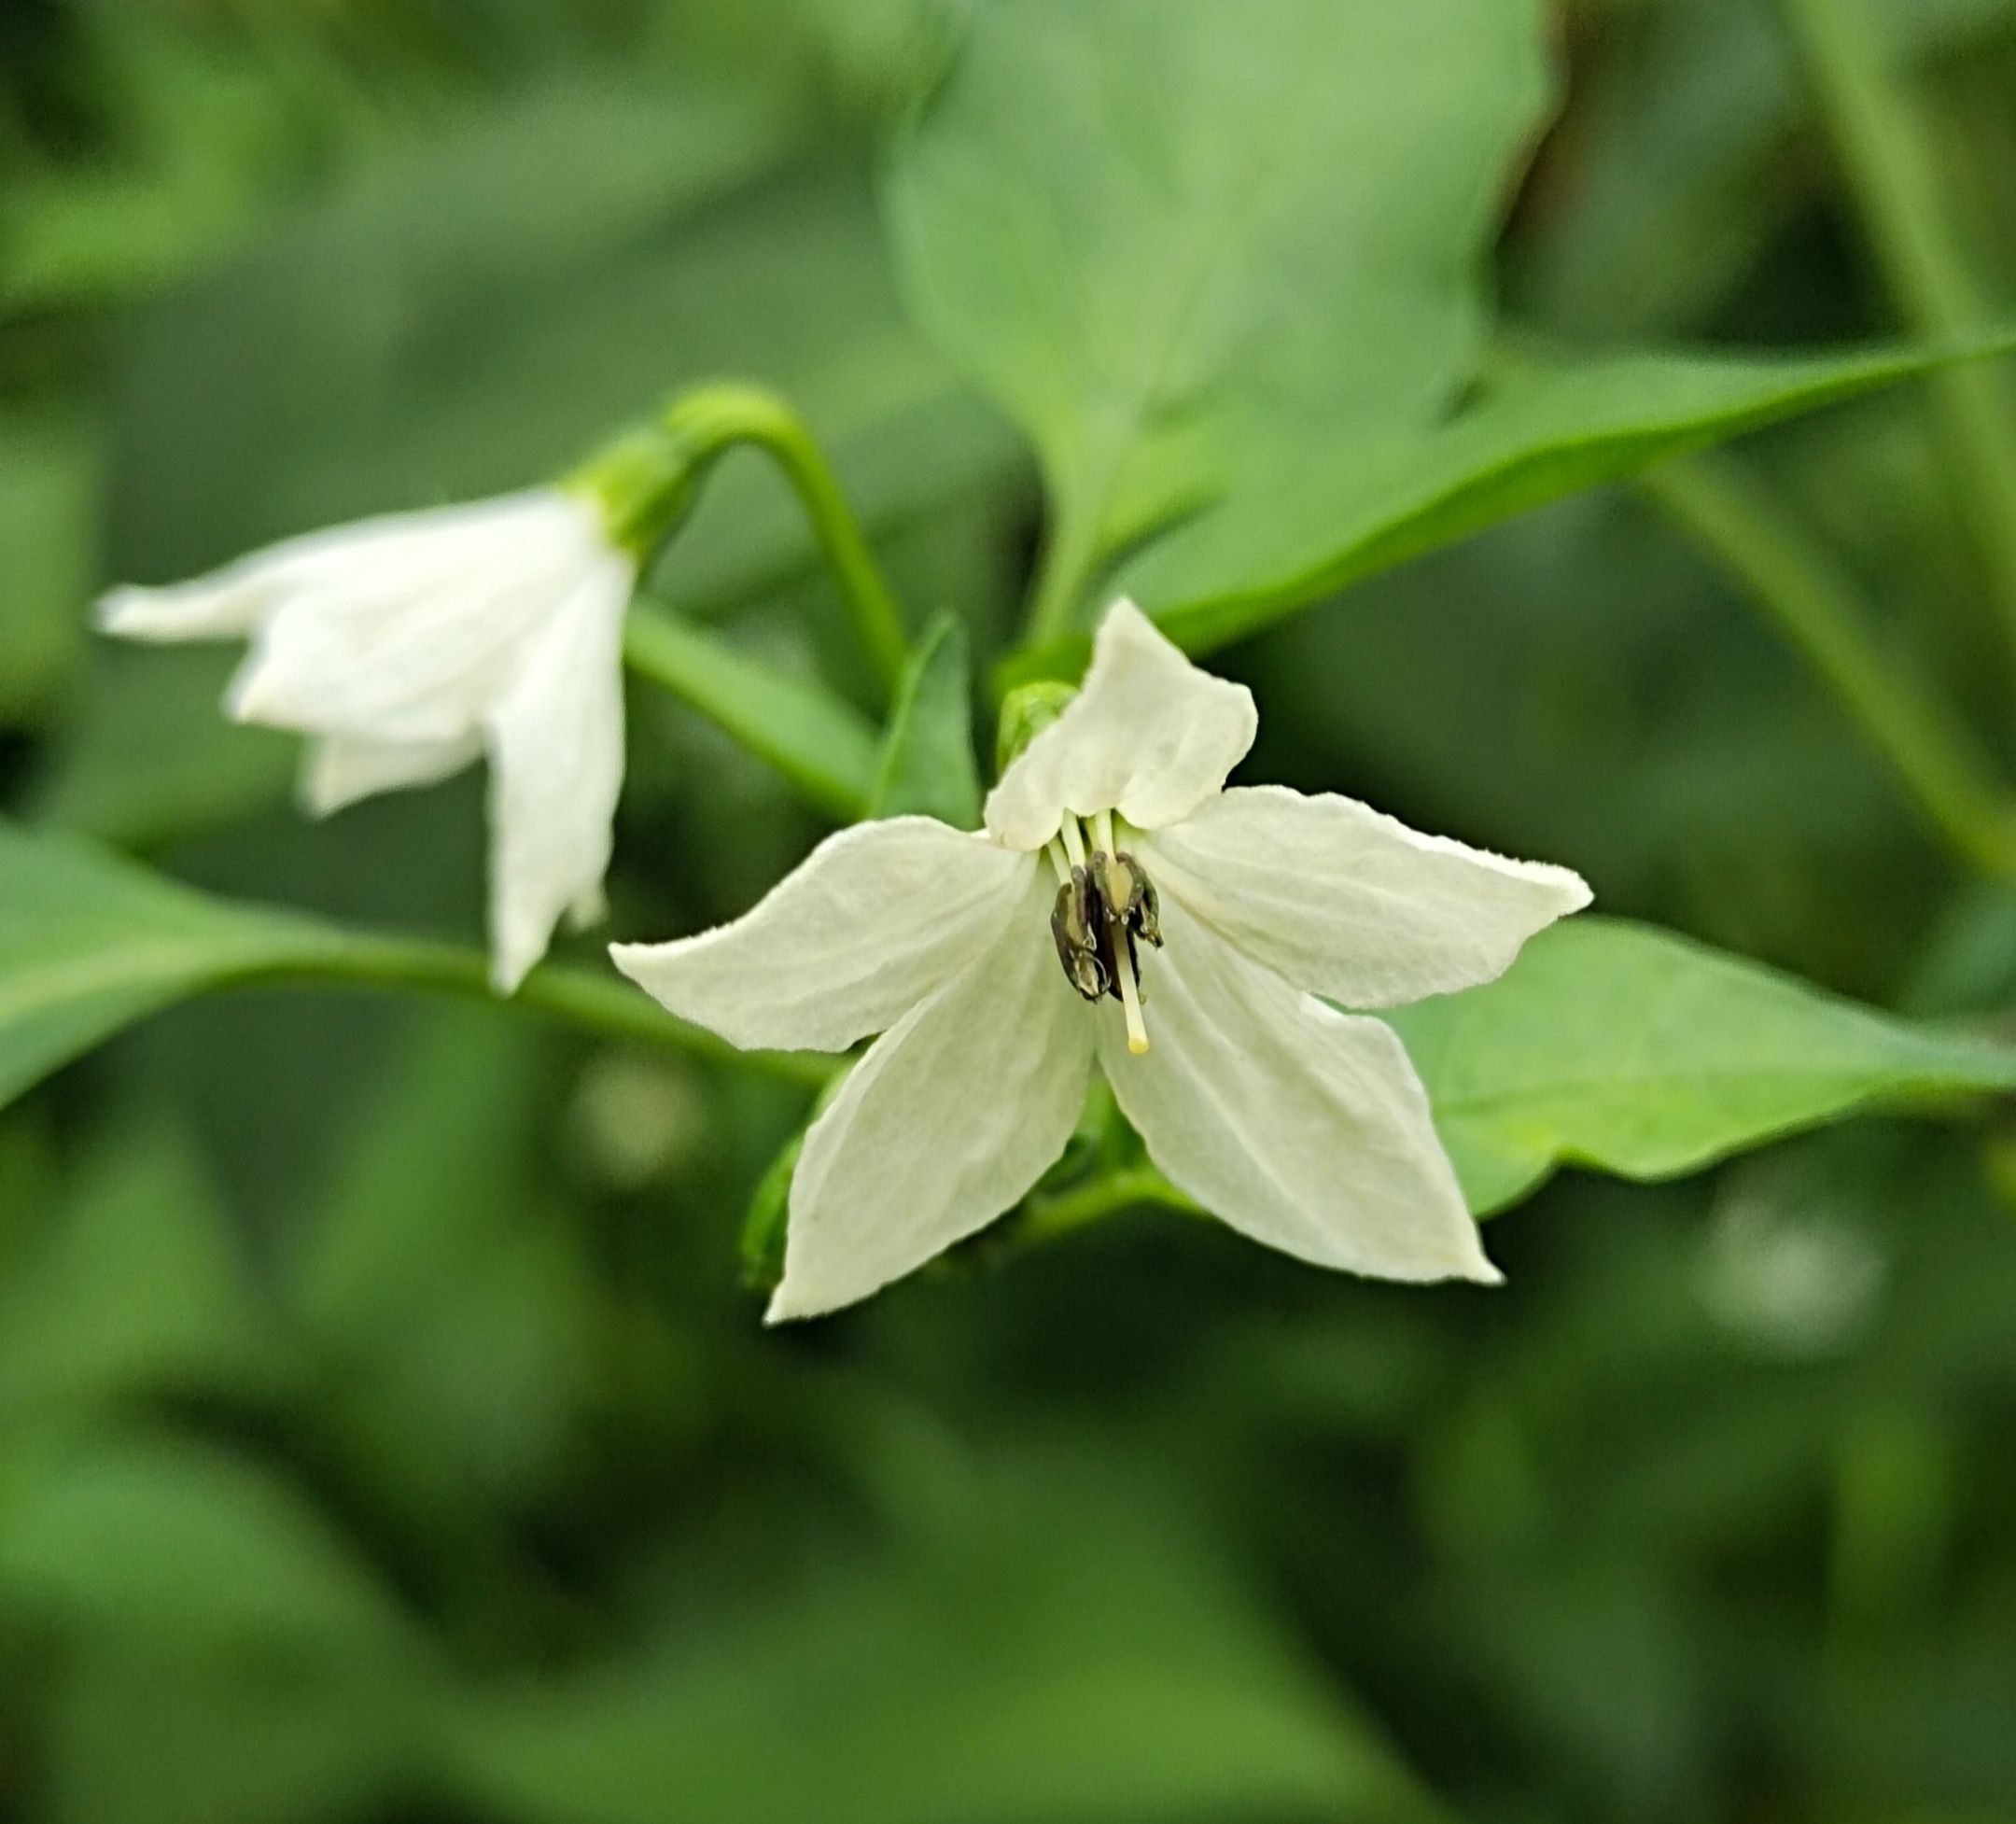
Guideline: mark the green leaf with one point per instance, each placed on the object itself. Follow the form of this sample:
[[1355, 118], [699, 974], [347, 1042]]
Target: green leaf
[[928, 767], [1157, 230], [448, 1300], [135, 1288], [161, 1733], [89, 944], [819, 741], [1325, 515], [1632, 1051], [769, 1211], [1070, 1650], [1322, 509], [183, 1544], [1678, 186], [49, 474]]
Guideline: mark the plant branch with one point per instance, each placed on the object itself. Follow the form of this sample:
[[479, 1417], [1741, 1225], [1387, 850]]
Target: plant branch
[[823, 745], [706, 424], [594, 1003], [1888, 160], [1818, 610]]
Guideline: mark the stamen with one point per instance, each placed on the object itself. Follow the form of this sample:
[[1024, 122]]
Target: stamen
[[1136, 1030], [1054, 849], [1073, 842], [1078, 925], [1103, 835]]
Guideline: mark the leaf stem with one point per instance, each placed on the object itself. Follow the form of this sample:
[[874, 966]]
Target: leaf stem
[[583, 998], [1888, 160], [822, 744], [712, 420], [1067, 556], [1818, 610]]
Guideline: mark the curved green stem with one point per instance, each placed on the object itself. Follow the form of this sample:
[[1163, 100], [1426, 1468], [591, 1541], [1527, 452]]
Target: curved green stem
[[1932, 755], [1045, 1219], [824, 746], [595, 1002], [705, 424], [1893, 177]]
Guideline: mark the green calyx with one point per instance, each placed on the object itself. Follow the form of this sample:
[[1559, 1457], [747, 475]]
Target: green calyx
[[642, 484], [1025, 713]]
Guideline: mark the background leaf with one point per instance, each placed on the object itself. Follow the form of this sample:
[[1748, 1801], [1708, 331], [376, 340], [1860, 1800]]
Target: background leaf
[[1321, 512], [928, 768], [89, 944], [957, 1676], [1633, 1051], [1216, 224]]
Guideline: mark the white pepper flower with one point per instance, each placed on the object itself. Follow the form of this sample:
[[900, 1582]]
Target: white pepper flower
[[408, 646], [1196, 928]]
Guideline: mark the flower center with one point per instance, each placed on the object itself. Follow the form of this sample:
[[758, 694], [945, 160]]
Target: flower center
[[1105, 905]]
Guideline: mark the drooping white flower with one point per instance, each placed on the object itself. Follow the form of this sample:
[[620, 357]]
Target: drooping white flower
[[408, 646], [1200, 924]]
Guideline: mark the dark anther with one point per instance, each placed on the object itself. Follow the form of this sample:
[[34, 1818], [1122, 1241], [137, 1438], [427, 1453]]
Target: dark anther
[[1129, 896], [1078, 922]]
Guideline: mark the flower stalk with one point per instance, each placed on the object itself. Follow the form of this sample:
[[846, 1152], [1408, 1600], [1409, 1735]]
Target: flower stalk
[[701, 427]]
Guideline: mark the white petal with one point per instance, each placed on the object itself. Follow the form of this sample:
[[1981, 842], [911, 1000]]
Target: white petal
[[339, 770], [951, 1117], [1351, 905], [556, 765], [1149, 736], [1299, 1125], [873, 921], [410, 629], [236, 600], [228, 606]]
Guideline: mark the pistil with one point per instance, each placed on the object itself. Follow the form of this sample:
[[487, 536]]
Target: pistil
[[1137, 1030]]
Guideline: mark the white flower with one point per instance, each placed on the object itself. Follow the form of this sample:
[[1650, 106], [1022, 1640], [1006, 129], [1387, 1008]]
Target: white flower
[[1113, 848], [406, 646]]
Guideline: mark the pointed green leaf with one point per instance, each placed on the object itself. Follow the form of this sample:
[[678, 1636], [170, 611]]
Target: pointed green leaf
[[928, 768], [1157, 231], [135, 1288], [90, 944], [1322, 508], [1632, 1051], [1317, 515], [1060, 1647], [182, 1543], [1251, 349]]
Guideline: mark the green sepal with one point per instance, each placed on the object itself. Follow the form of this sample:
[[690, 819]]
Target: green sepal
[[769, 1211], [1025, 713], [643, 484]]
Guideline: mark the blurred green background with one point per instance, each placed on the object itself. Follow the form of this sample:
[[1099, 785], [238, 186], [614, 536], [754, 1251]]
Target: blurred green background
[[385, 1431]]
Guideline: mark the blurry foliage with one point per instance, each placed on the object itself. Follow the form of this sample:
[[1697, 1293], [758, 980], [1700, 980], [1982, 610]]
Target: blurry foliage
[[383, 1431]]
